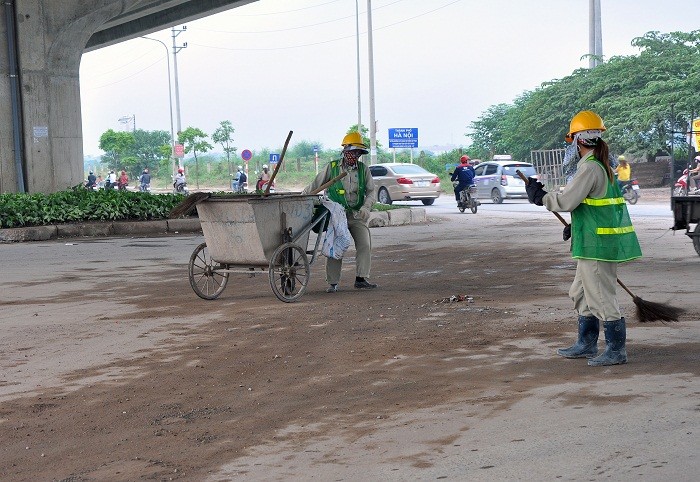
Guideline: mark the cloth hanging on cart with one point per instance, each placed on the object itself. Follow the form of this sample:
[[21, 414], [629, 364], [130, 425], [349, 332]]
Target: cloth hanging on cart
[[338, 238]]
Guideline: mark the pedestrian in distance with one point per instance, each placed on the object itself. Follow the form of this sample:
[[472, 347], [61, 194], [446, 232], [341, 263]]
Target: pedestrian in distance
[[602, 236], [356, 193]]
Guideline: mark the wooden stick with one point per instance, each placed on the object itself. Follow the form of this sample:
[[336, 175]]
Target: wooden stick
[[279, 163], [328, 183]]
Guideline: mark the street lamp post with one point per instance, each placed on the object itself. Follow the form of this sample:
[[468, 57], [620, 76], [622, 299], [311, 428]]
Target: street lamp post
[[176, 49], [357, 36], [170, 106], [372, 122]]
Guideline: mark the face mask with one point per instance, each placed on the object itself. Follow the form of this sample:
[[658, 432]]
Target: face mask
[[571, 158]]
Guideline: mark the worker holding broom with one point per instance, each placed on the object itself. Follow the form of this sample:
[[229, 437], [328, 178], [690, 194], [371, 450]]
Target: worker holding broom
[[602, 236], [356, 193]]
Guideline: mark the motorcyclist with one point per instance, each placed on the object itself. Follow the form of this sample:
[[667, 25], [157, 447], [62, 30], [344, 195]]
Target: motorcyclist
[[239, 180], [91, 180], [623, 171], [263, 178], [145, 179], [464, 174], [123, 180], [111, 180], [180, 179]]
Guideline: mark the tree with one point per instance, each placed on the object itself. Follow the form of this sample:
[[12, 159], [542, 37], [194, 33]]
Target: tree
[[633, 94], [222, 135], [194, 140], [116, 145], [150, 149]]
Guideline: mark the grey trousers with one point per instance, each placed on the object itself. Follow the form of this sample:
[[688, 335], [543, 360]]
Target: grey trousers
[[593, 290], [363, 248]]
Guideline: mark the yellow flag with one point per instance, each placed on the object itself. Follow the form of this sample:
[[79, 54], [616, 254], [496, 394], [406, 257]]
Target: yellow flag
[[696, 133]]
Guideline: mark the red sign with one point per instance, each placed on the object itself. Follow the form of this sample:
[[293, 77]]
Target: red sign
[[179, 150], [246, 155]]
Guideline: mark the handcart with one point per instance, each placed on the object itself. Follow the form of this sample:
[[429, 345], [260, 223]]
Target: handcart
[[244, 234]]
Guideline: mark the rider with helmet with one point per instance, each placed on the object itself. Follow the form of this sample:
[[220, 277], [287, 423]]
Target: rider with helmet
[[91, 180], [602, 236], [239, 180], [263, 177], [696, 176], [356, 193], [464, 174], [180, 180], [623, 171]]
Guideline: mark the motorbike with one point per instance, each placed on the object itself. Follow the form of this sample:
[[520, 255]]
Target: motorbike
[[681, 185], [180, 188], [467, 199], [145, 187], [629, 191]]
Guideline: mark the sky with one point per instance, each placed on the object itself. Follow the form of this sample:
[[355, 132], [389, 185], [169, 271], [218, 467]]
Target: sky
[[273, 66]]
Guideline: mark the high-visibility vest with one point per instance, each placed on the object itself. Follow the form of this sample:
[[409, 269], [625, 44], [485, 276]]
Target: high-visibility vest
[[336, 192], [601, 229]]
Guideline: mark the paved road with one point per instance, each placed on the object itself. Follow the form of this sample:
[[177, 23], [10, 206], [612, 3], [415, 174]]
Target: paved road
[[446, 205]]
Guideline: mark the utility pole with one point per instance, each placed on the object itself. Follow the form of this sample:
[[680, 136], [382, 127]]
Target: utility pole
[[370, 58], [357, 38], [170, 105], [595, 34], [176, 49]]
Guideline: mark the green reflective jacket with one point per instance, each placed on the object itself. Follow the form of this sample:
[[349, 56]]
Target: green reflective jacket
[[601, 229], [336, 192]]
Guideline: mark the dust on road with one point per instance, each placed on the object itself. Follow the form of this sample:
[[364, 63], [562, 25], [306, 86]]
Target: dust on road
[[117, 371]]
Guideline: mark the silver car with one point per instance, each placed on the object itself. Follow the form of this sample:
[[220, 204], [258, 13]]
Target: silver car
[[497, 180], [398, 181]]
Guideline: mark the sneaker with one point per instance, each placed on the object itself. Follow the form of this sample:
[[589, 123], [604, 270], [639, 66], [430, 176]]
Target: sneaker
[[332, 289], [364, 285]]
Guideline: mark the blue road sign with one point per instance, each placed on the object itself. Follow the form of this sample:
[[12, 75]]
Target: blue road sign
[[274, 158], [403, 137], [246, 155]]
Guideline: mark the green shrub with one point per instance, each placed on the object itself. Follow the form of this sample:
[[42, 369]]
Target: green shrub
[[79, 204]]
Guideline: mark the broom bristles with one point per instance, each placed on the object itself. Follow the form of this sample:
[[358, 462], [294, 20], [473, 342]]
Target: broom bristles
[[649, 311], [188, 204]]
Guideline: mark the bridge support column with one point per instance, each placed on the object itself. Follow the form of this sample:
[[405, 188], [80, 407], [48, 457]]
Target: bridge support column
[[50, 38]]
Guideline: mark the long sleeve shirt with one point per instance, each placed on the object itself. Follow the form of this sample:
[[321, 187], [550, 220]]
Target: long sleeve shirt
[[589, 181]]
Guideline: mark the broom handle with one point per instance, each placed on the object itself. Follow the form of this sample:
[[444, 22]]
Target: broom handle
[[563, 221], [327, 184], [279, 163]]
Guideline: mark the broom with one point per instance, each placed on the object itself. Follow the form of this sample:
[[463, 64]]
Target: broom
[[646, 310]]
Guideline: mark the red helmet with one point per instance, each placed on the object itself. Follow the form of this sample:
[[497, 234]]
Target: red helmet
[[464, 158], [180, 170]]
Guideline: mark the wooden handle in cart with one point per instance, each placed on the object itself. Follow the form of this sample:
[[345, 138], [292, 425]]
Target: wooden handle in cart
[[279, 163], [524, 178], [329, 183]]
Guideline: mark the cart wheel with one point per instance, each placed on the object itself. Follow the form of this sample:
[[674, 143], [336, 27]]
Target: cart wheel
[[204, 279], [289, 272]]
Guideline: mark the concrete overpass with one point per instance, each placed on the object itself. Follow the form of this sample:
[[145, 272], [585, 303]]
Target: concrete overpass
[[41, 43]]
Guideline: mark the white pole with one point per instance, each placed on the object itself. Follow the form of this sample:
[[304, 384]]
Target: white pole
[[357, 35], [176, 49], [170, 105], [370, 59]]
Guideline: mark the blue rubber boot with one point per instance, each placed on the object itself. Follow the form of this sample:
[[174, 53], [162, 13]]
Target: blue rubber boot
[[615, 336], [587, 344]]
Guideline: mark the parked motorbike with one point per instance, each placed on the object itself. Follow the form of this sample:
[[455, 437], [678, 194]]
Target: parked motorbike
[[630, 191], [467, 199]]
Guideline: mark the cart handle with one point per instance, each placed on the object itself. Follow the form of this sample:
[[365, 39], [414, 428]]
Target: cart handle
[[329, 183]]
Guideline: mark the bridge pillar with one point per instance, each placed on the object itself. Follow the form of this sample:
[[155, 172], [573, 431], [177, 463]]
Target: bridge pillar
[[50, 39]]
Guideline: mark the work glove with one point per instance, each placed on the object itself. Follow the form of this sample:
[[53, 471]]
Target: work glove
[[534, 190], [567, 232], [362, 214]]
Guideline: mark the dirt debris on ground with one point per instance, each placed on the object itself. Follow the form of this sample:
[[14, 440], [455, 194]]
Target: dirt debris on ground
[[158, 384]]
